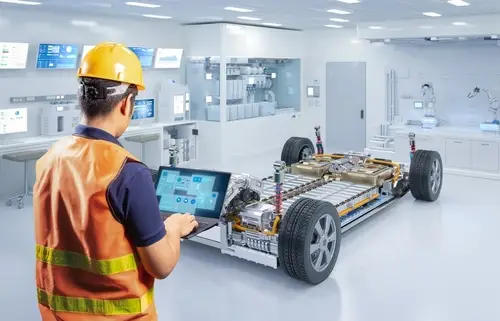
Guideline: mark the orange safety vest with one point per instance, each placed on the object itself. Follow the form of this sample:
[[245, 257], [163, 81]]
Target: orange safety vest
[[86, 269]]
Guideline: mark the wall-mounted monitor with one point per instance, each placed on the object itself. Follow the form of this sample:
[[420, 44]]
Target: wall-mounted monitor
[[145, 55], [168, 58], [144, 109], [57, 56], [13, 120], [13, 55], [86, 49]]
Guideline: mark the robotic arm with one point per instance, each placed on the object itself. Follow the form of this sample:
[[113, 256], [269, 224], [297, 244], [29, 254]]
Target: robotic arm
[[494, 104], [429, 99]]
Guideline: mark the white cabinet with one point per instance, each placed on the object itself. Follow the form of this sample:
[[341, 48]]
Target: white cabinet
[[485, 156], [458, 153]]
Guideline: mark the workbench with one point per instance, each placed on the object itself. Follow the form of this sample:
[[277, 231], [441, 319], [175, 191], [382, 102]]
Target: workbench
[[465, 151], [156, 151]]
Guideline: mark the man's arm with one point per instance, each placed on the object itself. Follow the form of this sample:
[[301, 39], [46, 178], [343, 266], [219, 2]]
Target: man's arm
[[137, 208]]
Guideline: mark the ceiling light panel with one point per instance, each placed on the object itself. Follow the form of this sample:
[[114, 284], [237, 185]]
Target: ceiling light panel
[[338, 11], [339, 20], [459, 3], [458, 23], [375, 27], [333, 26], [142, 4], [154, 16], [249, 18], [235, 9], [271, 24], [27, 3], [431, 14], [349, 1]]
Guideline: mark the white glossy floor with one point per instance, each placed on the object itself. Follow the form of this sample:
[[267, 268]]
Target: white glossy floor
[[412, 262]]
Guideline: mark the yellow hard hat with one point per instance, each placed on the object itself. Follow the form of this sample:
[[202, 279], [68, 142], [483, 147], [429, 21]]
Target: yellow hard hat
[[112, 61]]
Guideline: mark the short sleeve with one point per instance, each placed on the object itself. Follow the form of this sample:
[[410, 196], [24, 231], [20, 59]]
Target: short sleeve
[[136, 205]]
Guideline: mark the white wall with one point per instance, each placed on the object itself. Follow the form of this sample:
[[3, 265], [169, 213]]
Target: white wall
[[39, 27], [454, 71], [343, 46]]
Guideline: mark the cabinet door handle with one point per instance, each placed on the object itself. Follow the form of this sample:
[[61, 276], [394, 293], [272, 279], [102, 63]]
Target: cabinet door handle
[[362, 114], [458, 142], [484, 144]]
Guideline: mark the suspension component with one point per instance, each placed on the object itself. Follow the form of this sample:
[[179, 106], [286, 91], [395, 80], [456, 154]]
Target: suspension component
[[279, 178], [319, 143], [411, 137], [173, 152]]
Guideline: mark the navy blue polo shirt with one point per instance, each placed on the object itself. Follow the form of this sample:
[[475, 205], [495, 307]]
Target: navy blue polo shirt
[[132, 196]]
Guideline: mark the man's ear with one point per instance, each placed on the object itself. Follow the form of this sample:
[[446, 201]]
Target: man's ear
[[127, 106]]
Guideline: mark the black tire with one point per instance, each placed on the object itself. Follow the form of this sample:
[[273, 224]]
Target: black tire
[[293, 149], [426, 168], [296, 234]]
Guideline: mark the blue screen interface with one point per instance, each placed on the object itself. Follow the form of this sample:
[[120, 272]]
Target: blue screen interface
[[57, 56], [144, 109], [183, 190], [145, 55]]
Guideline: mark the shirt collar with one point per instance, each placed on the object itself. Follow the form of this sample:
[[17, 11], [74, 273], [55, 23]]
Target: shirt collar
[[95, 133]]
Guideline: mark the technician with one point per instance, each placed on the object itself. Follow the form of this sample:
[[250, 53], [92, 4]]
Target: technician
[[100, 239]]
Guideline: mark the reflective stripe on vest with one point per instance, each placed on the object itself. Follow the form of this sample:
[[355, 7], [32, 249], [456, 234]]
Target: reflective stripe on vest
[[94, 306], [83, 262]]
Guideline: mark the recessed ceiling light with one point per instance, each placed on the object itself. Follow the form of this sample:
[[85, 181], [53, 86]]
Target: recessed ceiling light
[[338, 11], [339, 20], [272, 24], [375, 27], [349, 1], [143, 5], [27, 3], [458, 3], [431, 14], [154, 16], [459, 23], [249, 18], [333, 26], [425, 27], [238, 9]]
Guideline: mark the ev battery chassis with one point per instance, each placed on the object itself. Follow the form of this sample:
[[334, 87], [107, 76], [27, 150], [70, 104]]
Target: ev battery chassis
[[295, 219]]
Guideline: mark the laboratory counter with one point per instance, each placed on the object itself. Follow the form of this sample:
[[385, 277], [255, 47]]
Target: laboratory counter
[[156, 136], [22, 144], [465, 151]]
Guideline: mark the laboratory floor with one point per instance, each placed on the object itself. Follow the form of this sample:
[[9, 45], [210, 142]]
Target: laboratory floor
[[412, 262]]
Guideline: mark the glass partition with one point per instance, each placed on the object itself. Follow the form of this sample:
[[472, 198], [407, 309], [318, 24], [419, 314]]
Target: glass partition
[[259, 87], [203, 80]]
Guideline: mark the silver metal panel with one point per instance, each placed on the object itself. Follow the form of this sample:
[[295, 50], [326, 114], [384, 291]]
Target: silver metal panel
[[252, 255], [337, 193]]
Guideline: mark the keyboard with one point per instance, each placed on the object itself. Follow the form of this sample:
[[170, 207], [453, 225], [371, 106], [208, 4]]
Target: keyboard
[[154, 174]]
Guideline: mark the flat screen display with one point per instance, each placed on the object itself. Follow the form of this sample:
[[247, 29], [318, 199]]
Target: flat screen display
[[13, 55], [168, 58], [144, 109], [57, 56], [86, 49], [194, 191], [145, 55], [13, 120]]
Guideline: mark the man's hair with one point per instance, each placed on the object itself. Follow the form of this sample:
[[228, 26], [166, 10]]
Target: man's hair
[[98, 97]]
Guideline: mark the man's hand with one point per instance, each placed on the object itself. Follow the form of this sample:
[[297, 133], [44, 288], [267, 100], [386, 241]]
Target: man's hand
[[180, 224]]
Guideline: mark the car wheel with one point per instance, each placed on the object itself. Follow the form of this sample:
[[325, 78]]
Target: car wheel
[[309, 240], [296, 149], [426, 175]]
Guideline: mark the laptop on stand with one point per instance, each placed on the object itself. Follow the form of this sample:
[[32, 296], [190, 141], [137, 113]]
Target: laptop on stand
[[194, 191]]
